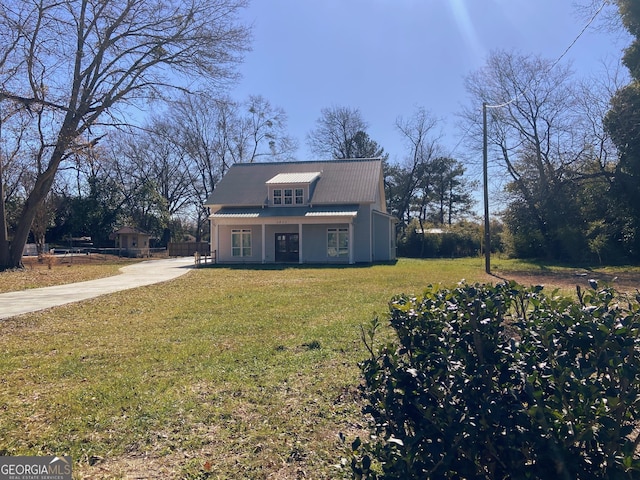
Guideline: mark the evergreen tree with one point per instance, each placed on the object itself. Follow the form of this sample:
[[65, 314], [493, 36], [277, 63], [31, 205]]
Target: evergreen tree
[[623, 124]]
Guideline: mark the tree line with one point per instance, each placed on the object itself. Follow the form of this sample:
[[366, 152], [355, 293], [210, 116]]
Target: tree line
[[80, 154], [568, 150]]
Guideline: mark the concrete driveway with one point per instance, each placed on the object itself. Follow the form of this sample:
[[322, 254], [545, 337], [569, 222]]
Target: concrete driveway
[[132, 276]]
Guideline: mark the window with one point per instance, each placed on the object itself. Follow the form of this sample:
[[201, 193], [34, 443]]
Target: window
[[338, 242], [288, 196], [241, 243]]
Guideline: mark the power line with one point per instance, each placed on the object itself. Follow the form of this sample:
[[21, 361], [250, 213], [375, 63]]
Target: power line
[[551, 67], [559, 59]]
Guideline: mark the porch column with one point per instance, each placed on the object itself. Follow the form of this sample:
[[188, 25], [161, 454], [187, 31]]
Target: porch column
[[299, 243], [351, 261], [214, 241], [264, 247]]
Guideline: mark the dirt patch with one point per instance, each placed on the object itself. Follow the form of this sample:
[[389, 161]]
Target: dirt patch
[[43, 262], [623, 282]]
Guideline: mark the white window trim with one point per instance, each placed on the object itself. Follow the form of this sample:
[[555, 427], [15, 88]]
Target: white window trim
[[244, 251], [287, 196], [334, 251]]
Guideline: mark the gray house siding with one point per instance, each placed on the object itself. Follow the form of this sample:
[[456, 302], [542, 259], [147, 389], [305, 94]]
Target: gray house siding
[[384, 238], [315, 248], [313, 243], [361, 235], [223, 250]]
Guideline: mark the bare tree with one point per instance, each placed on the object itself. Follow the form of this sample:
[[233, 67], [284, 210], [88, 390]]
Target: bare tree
[[337, 133], [592, 104], [155, 162], [264, 132], [216, 132], [77, 63], [421, 138], [539, 133]]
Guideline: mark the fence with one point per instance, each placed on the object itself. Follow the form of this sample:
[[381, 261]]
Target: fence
[[188, 249], [203, 259]]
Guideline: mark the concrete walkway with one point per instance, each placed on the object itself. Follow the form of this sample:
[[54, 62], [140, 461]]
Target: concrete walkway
[[132, 276]]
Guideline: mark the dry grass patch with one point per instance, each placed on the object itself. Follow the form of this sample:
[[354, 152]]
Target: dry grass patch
[[49, 271]]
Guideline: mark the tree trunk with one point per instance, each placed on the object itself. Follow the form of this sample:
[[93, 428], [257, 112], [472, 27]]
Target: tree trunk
[[35, 199], [4, 240]]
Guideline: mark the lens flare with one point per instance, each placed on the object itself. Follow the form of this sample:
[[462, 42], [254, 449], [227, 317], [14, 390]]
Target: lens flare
[[465, 25]]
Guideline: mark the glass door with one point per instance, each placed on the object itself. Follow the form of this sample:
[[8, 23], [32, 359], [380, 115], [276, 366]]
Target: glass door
[[287, 247]]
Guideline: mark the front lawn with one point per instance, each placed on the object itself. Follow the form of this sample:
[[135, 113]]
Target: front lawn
[[222, 373]]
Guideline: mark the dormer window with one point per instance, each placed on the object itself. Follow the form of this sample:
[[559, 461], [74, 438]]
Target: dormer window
[[288, 196], [291, 188]]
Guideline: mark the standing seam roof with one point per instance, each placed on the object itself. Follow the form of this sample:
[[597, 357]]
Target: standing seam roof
[[340, 181]]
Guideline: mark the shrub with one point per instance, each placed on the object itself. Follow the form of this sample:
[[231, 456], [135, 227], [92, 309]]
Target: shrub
[[503, 382], [48, 259], [460, 240]]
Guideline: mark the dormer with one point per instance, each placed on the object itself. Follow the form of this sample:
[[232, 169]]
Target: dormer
[[291, 189]]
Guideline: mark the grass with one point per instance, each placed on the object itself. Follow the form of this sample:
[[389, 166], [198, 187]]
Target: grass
[[222, 373]]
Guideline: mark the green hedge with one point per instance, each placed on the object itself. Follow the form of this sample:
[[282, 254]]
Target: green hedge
[[503, 382], [439, 245]]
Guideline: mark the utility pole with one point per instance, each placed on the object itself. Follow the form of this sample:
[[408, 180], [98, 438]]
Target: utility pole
[[487, 232]]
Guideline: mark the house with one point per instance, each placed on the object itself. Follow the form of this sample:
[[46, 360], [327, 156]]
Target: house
[[132, 242], [302, 212]]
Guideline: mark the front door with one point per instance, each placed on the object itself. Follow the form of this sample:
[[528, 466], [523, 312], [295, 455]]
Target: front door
[[287, 248]]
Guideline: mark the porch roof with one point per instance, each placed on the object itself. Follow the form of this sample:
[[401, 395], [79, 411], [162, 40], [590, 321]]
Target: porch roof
[[324, 211]]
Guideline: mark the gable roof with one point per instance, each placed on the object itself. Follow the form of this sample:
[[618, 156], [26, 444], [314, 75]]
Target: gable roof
[[339, 181], [129, 230]]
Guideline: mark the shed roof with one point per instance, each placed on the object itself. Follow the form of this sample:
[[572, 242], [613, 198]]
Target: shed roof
[[291, 178], [339, 182]]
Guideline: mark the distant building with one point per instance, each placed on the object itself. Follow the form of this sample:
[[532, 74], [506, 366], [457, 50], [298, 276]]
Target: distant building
[[132, 242], [31, 249], [302, 212]]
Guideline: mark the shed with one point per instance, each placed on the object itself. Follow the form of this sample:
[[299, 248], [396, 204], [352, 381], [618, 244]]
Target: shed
[[132, 242]]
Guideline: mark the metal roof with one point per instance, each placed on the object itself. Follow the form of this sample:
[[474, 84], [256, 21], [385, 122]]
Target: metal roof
[[330, 211], [337, 213], [341, 182], [129, 230], [288, 178]]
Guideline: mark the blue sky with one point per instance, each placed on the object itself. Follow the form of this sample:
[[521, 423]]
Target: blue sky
[[387, 57]]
